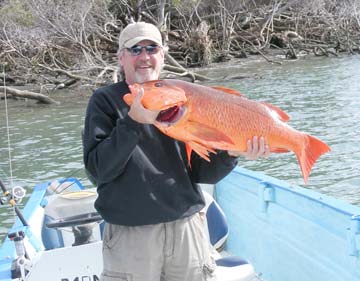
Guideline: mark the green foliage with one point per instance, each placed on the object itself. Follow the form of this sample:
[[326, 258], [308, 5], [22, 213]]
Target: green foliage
[[17, 12]]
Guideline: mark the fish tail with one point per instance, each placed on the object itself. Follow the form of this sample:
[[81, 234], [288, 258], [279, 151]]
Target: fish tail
[[309, 153]]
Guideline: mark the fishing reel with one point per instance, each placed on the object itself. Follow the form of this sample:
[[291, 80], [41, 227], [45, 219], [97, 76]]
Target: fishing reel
[[18, 193], [14, 197]]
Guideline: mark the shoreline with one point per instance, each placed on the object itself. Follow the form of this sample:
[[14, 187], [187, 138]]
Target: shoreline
[[80, 92]]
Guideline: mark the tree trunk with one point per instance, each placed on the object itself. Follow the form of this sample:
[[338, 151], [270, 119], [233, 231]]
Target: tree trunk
[[28, 94]]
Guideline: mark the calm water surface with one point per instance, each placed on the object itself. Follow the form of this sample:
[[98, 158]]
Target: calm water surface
[[322, 97]]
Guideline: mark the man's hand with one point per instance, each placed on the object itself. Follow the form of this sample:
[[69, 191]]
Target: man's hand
[[256, 148], [139, 113]]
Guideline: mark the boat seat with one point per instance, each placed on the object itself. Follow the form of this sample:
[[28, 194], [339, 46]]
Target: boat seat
[[229, 267], [71, 219]]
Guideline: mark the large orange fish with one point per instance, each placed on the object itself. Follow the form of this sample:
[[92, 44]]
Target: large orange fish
[[211, 118]]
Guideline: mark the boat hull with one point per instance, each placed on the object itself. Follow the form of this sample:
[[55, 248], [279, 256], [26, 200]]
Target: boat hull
[[290, 233]]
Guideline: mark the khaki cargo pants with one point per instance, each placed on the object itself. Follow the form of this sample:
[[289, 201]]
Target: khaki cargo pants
[[174, 251]]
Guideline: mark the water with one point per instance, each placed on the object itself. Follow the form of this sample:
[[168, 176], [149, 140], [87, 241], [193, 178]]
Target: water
[[321, 95], [46, 145]]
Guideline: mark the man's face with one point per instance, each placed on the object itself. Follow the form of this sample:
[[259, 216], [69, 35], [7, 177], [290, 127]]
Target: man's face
[[143, 67]]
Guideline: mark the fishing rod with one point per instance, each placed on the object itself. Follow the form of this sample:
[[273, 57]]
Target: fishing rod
[[17, 192], [56, 189], [11, 199]]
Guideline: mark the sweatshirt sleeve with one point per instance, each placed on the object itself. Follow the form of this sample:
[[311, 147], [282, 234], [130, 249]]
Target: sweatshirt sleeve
[[109, 138], [220, 165]]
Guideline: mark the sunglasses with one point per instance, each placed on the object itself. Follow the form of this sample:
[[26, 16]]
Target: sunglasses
[[150, 49]]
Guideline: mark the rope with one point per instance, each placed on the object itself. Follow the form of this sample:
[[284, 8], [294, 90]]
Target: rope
[[8, 129]]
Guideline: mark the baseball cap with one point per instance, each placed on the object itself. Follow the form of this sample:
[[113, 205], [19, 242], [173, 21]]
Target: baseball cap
[[139, 31]]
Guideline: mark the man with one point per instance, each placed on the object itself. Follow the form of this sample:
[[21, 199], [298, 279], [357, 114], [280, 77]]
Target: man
[[147, 194]]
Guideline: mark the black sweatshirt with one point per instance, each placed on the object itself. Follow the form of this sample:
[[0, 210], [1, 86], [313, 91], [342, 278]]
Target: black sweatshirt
[[142, 175]]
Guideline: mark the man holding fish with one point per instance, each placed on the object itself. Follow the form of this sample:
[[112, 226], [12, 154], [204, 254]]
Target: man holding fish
[[147, 186]]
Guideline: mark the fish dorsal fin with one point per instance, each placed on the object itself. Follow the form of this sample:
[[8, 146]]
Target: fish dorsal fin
[[228, 91], [282, 115]]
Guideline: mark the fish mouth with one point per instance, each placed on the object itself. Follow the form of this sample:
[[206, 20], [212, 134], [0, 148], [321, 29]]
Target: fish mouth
[[171, 115]]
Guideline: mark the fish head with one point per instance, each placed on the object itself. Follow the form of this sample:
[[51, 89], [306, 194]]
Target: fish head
[[160, 96]]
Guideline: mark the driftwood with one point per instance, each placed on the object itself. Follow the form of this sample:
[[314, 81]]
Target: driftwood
[[67, 73], [28, 95], [185, 73], [258, 51], [175, 67]]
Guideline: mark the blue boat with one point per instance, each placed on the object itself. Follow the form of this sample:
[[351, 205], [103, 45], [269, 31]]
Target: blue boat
[[290, 233], [261, 229]]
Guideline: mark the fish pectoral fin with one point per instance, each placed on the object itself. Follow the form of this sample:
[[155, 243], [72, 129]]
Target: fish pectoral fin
[[282, 115], [204, 139], [188, 153], [207, 134], [200, 149], [228, 91]]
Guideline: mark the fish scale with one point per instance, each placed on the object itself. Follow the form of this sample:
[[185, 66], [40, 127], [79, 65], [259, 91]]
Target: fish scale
[[238, 127], [219, 118]]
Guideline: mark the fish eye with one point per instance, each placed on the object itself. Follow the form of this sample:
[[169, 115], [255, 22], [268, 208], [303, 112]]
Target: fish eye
[[158, 84]]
